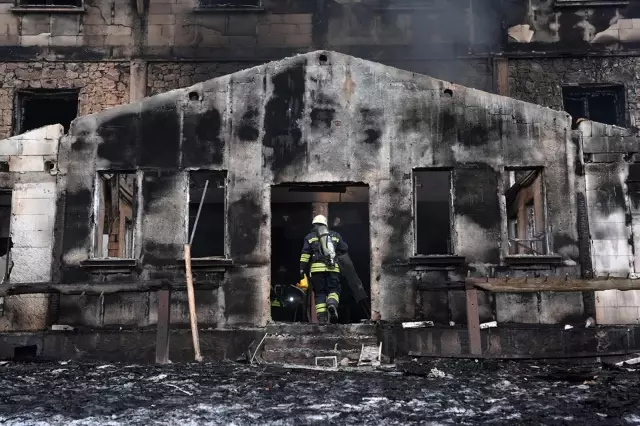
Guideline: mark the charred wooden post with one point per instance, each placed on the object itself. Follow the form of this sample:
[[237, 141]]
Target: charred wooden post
[[473, 320], [163, 326]]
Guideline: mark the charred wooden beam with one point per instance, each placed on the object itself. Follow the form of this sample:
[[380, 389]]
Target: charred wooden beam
[[97, 289], [163, 328], [473, 320], [497, 285], [560, 284]]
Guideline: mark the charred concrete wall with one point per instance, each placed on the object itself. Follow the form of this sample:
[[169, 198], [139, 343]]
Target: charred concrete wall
[[612, 195], [320, 117], [31, 178]]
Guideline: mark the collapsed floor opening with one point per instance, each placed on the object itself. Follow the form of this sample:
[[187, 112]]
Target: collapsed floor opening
[[292, 209]]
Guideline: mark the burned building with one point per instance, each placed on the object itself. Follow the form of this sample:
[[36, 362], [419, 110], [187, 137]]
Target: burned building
[[432, 182], [429, 181]]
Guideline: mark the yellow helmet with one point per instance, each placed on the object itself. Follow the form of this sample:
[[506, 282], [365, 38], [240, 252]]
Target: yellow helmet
[[320, 220]]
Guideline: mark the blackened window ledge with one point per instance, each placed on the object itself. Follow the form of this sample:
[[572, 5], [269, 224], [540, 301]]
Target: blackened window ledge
[[215, 264], [110, 265], [229, 10], [528, 260], [590, 3], [47, 9], [437, 260]]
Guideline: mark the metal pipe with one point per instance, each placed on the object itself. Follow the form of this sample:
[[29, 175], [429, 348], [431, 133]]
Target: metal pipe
[[195, 224]]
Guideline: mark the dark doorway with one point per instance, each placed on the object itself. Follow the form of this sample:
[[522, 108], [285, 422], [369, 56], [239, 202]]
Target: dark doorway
[[292, 210], [42, 107]]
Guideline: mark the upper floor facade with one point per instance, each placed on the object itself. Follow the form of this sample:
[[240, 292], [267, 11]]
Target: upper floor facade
[[272, 29]]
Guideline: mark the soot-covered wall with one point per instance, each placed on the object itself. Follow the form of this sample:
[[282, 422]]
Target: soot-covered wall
[[612, 182], [318, 117]]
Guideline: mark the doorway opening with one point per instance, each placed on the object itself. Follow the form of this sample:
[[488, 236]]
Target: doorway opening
[[293, 207]]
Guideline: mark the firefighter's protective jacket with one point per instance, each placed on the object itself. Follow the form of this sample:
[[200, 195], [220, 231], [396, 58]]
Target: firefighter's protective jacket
[[312, 253]]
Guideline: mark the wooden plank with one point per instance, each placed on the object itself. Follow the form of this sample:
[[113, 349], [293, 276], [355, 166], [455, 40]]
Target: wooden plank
[[501, 67], [528, 285], [473, 320], [192, 304], [504, 285], [163, 327]]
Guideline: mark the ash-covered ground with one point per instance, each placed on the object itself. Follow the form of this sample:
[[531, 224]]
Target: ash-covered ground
[[72, 393]]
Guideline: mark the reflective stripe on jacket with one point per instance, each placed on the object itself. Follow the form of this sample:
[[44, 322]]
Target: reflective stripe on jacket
[[312, 253]]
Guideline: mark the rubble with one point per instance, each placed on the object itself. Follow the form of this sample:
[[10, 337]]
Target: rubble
[[491, 324], [226, 393]]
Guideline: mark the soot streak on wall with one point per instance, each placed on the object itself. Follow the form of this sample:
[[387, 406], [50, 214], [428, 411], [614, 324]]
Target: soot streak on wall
[[202, 142], [283, 135]]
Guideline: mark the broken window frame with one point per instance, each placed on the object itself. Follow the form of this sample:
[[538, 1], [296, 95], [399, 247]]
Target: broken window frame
[[535, 245], [220, 175], [21, 97], [451, 249], [585, 92], [97, 228], [46, 4]]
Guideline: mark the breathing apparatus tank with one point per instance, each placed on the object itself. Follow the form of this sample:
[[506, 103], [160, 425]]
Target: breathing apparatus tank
[[328, 249]]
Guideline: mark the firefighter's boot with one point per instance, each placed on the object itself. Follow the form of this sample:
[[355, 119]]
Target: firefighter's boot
[[323, 317], [333, 314]]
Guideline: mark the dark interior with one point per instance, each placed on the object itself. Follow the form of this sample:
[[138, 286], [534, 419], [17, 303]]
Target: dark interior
[[208, 241], [433, 212], [44, 107], [291, 216], [604, 104], [5, 233]]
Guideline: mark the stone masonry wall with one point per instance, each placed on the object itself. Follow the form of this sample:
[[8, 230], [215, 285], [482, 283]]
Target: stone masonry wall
[[102, 84], [473, 73], [165, 76], [33, 209], [540, 81]]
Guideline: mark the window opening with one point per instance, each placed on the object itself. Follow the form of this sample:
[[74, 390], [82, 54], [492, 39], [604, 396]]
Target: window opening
[[209, 239], [5, 235], [604, 104], [525, 212], [43, 107], [117, 198], [433, 208]]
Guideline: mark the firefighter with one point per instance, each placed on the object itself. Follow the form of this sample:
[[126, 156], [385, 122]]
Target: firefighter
[[319, 257]]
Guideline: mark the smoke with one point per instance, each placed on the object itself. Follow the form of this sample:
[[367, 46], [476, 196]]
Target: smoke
[[434, 37]]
